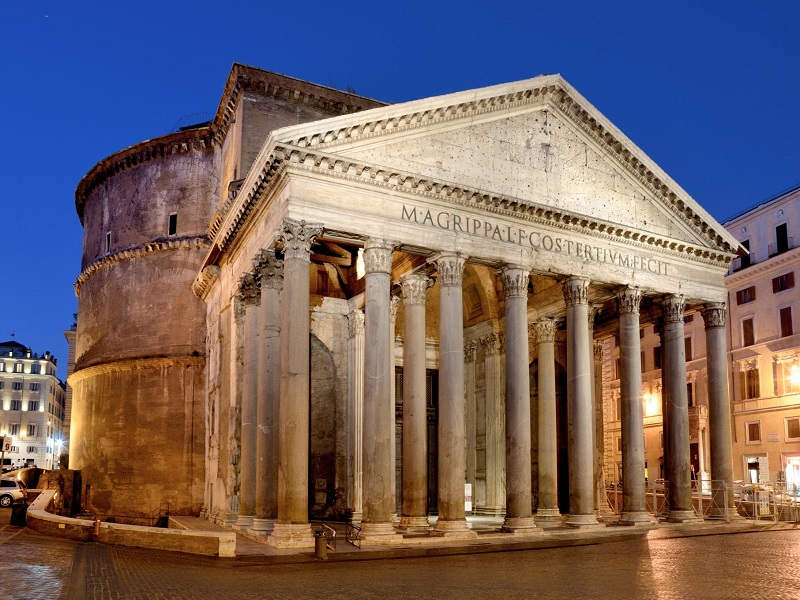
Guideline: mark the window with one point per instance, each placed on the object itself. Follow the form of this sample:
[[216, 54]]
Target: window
[[31, 449], [13, 429], [657, 357], [749, 384], [2, 384], [15, 449], [172, 227], [687, 346], [31, 429], [642, 363], [752, 432], [33, 405], [617, 368], [748, 335], [690, 393], [2, 367], [746, 295], [783, 282], [786, 375], [619, 444], [781, 238], [746, 258], [786, 321], [108, 242], [792, 429], [36, 369], [18, 368], [16, 405], [688, 319], [641, 334], [34, 387], [16, 386]]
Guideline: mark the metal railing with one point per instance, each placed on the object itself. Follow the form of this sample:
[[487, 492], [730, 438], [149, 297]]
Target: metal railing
[[330, 536], [353, 534]]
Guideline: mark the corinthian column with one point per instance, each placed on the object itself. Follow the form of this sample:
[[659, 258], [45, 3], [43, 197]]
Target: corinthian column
[[518, 402], [269, 271], [547, 513], [452, 521], [415, 445], [376, 524], [680, 485], [355, 405], [634, 507], [495, 464], [251, 297], [292, 529], [719, 415], [579, 403]]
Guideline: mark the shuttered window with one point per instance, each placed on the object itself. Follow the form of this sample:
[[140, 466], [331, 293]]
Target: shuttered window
[[746, 295], [783, 282]]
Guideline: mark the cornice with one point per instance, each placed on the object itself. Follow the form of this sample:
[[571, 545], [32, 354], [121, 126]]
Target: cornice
[[205, 280], [195, 242], [283, 157], [778, 262], [551, 91], [134, 364], [171, 144]]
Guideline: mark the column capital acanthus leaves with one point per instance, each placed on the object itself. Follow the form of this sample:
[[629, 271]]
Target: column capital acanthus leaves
[[515, 281], [544, 330], [297, 238], [714, 315], [449, 268], [249, 289], [414, 288], [493, 343], [393, 305], [673, 308], [378, 255], [470, 350], [628, 300], [576, 291], [268, 269], [355, 323]]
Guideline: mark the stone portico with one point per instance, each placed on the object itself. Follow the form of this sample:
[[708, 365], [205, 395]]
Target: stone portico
[[515, 226]]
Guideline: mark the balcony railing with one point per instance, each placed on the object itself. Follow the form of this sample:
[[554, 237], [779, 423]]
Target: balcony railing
[[742, 262], [781, 247]]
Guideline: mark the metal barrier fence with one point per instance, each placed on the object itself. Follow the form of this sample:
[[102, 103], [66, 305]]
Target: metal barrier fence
[[717, 500], [330, 536], [353, 534]]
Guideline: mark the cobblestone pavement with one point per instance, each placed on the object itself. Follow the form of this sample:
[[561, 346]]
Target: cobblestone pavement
[[746, 566]]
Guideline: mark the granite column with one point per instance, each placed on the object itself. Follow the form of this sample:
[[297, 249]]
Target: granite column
[[547, 513]]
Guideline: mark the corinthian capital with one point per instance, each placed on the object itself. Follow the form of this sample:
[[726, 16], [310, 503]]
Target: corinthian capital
[[450, 268], [249, 289], [544, 330], [714, 315], [355, 323], [268, 269], [492, 344], [673, 308], [297, 237], [378, 255], [470, 349], [414, 287], [628, 301], [576, 291], [515, 281]]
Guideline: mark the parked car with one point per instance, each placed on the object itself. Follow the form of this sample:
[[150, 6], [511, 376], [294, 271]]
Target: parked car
[[11, 491]]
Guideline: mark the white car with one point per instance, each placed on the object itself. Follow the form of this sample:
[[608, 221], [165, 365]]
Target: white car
[[10, 492]]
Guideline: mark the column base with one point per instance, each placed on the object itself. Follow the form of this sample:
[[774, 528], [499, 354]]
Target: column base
[[583, 521], [228, 519], [520, 526], [729, 514], [489, 511], [262, 527], [635, 518], [356, 518], [291, 535], [379, 534], [243, 523], [456, 529], [414, 523], [548, 517], [683, 516]]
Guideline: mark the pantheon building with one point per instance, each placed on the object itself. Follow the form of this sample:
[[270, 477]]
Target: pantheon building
[[317, 304]]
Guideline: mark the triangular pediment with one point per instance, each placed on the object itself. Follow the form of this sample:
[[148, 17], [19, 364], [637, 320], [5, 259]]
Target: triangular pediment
[[535, 142]]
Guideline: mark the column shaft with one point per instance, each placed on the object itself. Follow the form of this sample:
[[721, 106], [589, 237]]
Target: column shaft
[[579, 404], [719, 415], [634, 506], [518, 401], [415, 409], [679, 474], [355, 404], [495, 461], [452, 521], [291, 528], [547, 512], [376, 523]]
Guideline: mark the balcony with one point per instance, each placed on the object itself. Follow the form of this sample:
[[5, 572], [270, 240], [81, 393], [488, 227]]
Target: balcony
[[742, 262], [781, 246]]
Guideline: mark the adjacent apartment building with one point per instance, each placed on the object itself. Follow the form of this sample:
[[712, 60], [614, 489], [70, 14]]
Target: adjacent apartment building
[[764, 359], [32, 403]]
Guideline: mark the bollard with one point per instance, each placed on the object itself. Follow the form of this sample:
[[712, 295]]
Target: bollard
[[320, 545], [96, 527]]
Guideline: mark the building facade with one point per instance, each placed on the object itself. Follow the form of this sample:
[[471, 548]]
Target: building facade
[[32, 404], [385, 306]]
